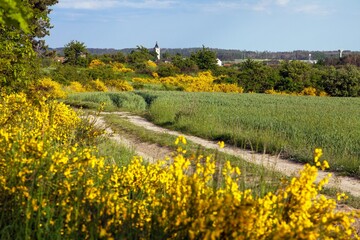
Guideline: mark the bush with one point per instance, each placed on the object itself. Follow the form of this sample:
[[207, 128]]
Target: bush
[[52, 188], [76, 87], [97, 85], [120, 85], [48, 88]]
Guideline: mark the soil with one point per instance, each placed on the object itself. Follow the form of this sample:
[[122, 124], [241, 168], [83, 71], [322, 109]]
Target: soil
[[152, 152]]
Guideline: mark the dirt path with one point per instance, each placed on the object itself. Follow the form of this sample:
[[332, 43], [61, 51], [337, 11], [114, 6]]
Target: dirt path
[[153, 152]]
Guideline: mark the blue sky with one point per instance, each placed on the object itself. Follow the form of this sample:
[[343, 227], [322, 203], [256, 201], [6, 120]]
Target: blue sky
[[257, 25]]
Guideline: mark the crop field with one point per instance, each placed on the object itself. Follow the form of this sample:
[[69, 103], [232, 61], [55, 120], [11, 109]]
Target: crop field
[[292, 126]]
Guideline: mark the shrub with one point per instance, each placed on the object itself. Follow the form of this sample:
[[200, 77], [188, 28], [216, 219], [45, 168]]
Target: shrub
[[96, 63], [48, 88], [76, 87], [120, 85], [66, 192], [97, 85], [310, 91], [119, 67]]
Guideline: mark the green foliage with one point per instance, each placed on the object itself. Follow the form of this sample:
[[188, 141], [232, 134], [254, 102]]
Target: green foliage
[[15, 13], [256, 77], [186, 65], [140, 55], [294, 76], [343, 81], [76, 54], [205, 59], [120, 100], [40, 23], [115, 57], [167, 70], [22, 23], [65, 74], [18, 66]]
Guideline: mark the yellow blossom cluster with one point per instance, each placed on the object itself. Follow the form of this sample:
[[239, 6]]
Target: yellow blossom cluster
[[76, 87], [120, 85], [96, 63], [119, 67], [151, 64], [48, 88], [58, 189], [308, 91], [97, 85], [203, 82]]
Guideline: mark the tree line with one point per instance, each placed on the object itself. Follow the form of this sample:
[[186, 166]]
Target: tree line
[[335, 76], [24, 58]]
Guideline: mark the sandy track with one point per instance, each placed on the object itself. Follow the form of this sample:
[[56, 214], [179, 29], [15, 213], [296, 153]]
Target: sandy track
[[153, 152]]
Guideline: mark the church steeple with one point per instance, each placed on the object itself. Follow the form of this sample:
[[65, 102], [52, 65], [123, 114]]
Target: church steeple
[[157, 51]]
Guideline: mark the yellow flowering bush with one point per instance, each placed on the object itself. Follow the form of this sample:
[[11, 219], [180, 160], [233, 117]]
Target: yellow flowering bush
[[120, 85], [119, 67], [97, 85], [53, 188], [203, 82], [76, 87], [96, 63], [151, 64], [308, 91], [48, 88]]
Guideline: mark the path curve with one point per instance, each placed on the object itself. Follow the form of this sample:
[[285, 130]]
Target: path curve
[[287, 167]]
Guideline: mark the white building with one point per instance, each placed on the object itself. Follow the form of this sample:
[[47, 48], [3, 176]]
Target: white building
[[157, 51]]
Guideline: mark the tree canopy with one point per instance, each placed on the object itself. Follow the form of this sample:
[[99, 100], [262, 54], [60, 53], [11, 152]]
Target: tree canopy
[[205, 59], [22, 24], [75, 53]]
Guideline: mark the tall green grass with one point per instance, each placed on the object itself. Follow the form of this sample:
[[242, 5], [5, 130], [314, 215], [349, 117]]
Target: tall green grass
[[113, 101], [288, 125]]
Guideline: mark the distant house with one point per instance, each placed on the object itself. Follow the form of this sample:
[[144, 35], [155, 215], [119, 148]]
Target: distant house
[[59, 59], [219, 62]]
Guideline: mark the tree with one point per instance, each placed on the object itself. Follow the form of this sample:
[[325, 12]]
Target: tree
[[40, 23], [75, 53], [16, 52], [15, 13], [204, 59], [294, 76], [254, 76], [343, 81], [21, 25], [186, 65], [140, 55]]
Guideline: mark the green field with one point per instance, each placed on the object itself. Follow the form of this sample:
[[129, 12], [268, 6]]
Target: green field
[[288, 125], [291, 126]]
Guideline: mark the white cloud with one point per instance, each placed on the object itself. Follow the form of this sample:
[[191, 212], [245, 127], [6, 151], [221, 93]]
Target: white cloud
[[104, 4], [282, 2], [86, 4], [312, 9], [148, 4]]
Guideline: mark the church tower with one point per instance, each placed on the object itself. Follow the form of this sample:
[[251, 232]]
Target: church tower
[[157, 51]]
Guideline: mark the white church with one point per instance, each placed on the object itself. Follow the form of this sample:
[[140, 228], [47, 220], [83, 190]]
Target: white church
[[157, 51]]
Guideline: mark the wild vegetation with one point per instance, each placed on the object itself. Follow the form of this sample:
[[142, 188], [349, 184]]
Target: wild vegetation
[[60, 178], [68, 192]]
